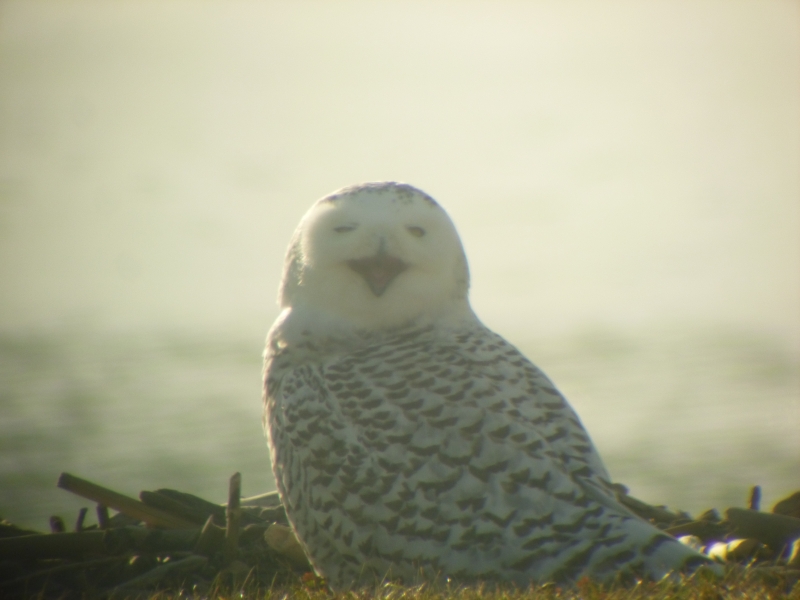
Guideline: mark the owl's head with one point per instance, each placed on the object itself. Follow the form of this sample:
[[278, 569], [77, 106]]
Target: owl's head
[[378, 255]]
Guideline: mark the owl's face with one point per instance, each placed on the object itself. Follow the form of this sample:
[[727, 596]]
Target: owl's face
[[378, 255]]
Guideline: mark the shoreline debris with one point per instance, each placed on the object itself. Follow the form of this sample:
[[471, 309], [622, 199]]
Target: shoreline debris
[[165, 540], [172, 540]]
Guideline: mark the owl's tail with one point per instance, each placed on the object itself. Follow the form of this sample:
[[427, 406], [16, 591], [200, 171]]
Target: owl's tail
[[646, 550], [658, 554]]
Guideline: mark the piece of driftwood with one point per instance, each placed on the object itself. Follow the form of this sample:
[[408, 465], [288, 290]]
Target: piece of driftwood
[[268, 500], [776, 531], [81, 518], [656, 514], [710, 515], [184, 543], [154, 543], [210, 539], [754, 499], [197, 510], [233, 515], [102, 516], [173, 507], [789, 507], [705, 530], [57, 524], [185, 506], [124, 504]]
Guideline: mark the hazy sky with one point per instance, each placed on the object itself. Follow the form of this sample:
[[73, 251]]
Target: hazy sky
[[612, 164]]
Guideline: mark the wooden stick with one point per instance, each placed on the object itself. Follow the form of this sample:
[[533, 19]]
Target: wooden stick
[[124, 504], [175, 507], [648, 511], [776, 531], [267, 500], [754, 500], [210, 539], [194, 502], [81, 519], [102, 516], [705, 530], [57, 524], [788, 506], [192, 508], [232, 516]]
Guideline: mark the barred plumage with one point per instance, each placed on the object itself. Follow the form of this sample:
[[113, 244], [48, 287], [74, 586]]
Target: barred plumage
[[410, 442]]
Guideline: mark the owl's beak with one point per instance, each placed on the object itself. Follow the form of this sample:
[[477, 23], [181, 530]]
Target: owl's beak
[[378, 271]]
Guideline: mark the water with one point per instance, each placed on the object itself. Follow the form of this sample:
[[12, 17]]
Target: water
[[133, 413], [690, 421], [625, 179]]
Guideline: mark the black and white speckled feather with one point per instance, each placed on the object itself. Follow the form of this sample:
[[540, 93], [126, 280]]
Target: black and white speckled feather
[[410, 442]]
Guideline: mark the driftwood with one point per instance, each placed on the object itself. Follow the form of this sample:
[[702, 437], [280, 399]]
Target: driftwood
[[197, 510], [658, 515], [705, 530], [139, 510], [81, 518], [102, 516], [789, 507], [175, 541], [210, 538], [177, 508], [754, 500], [233, 515], [180, 541], [776, 531]]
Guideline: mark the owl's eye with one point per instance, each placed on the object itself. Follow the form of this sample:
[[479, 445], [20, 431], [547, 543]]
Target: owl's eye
[[344, 228], [416, 231]]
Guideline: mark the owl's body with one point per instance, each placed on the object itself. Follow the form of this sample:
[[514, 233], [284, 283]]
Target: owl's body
[[408, 441]]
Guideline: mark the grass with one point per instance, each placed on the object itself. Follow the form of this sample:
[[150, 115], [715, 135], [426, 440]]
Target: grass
[[757, 583]]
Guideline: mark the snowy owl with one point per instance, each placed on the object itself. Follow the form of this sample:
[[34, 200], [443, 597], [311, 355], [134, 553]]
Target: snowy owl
[[408, 441]]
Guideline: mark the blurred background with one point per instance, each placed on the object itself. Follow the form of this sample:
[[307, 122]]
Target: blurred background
[[625, 177]]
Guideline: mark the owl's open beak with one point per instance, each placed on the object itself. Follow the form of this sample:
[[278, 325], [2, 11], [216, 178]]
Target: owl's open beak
[[378, 271]]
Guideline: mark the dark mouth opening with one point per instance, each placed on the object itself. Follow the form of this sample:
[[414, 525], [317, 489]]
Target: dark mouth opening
[[378, 271]]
